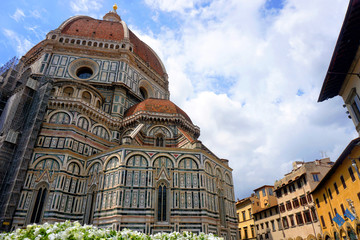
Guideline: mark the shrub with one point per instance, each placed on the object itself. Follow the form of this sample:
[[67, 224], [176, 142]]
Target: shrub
[[76, 231]]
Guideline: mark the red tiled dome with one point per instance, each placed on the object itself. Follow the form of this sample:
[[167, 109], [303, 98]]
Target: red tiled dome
[[155, 105], [88, 27]]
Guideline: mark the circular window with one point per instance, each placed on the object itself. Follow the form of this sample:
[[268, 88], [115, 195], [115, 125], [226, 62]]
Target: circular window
[[84, 72], [83, 69]]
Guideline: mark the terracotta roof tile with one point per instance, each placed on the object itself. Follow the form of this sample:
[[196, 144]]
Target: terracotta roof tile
[[157, 106]]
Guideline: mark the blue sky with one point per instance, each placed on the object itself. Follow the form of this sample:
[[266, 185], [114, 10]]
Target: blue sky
[[248, 73]]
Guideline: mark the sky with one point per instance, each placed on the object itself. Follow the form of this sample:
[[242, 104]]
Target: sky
[[248, 73]]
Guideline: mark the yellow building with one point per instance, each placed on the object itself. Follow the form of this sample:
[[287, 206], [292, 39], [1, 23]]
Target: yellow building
[[339, 193], [244, 209]]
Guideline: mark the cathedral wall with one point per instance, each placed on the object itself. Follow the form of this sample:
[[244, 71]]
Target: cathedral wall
[[105, 71]]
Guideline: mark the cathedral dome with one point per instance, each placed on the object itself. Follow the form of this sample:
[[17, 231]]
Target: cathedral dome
[[155, 105], [114, 30]]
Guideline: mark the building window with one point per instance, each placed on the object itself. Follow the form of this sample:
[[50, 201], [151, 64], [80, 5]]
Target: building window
[[39, 205], [162, 203], [273, 225], [358, 195], [342, 209], [299, 219], [249, 210], [322, 222], [324, 198], [285, 222], [317, 203], [336, 188], [252, 231], [330, 195], [354, 103], [240, 233], [309, 198], [270, 192], [285, 191], [243, 215], [315, 177], [278, 193], [159, 142], [245, 233], [282, 208], [288, 205], [313, 213], [330, 218], [279, 223], [307, 216], [343, 181], [292, 222], [351, 172], [291, 188], [296, 203], [264, 192], [303, 200]]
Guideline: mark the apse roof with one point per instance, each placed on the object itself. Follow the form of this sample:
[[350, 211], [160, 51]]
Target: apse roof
[[155, 105]]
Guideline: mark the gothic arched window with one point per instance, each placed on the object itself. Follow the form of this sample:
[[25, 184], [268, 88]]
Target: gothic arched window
[[162, 203], [39, 205], [86, 97], [60, 118], [159, 142], [83, 123], [68, 92]]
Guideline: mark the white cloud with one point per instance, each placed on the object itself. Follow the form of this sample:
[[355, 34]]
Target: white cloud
[[175, 5], [236, 68], [21, 44], [85, 6], [18, 15]]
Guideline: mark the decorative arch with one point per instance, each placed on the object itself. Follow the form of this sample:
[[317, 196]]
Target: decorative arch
[[81, 167], [208, 168], [101, 131], [86, 96], [35, 163], [68, 91], [197, 162], [73, 168], [145, 86], [188, 163], [60, 117], [327, 236], [228, 178], [219, 173], [319, 237], [158, 155], [311, 237], [298, 238], [94, 167], [163, 163], [160, 129], [111, 163], [137, 160], [83, 122], [140, 154]]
